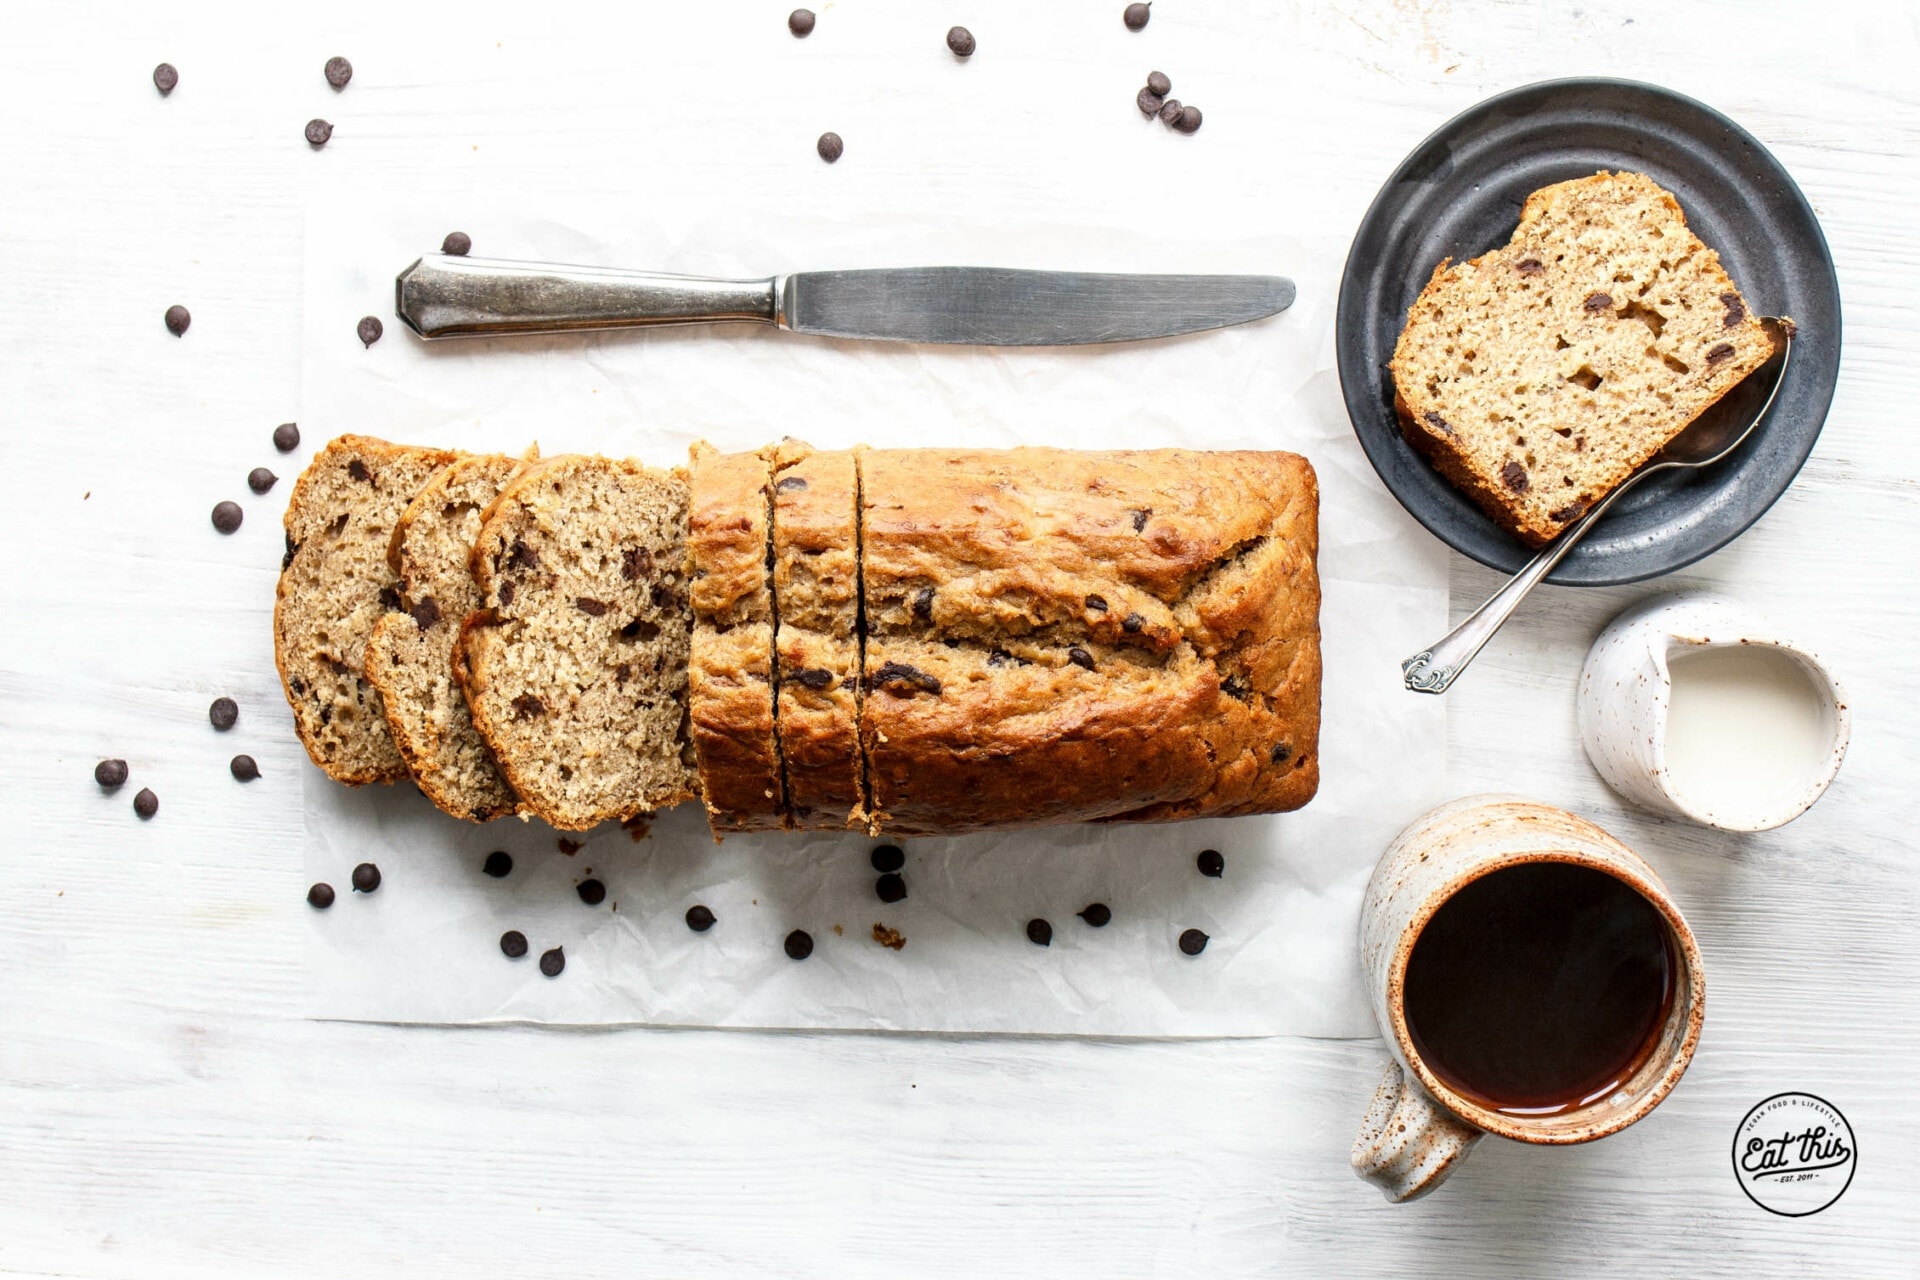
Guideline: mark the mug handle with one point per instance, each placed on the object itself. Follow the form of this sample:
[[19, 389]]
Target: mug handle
[[1408, 1143]]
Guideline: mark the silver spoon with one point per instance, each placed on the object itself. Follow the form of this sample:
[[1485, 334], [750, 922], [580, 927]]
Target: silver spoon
[[1708, 439]]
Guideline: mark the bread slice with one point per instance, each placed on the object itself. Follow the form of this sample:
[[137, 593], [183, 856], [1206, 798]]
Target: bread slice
[[730, 690], [816, 574], [410, 655], [335, 584], [1540, 375], [575, 666]]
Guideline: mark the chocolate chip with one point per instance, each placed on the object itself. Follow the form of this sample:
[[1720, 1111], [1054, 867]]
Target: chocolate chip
[[358, 470], [369, 330], [1158, 84], [499, 864], [366, 878], [1514, 476], [522, 556], [165, 76], [318, 131], [815, 678], [1193, 942], [1439, 423], [458, 244], [243, 768], [1530, 267], [1097, 604], [526, 707], [791, 484], [389, 598], [1596, 303], [635, 562], [320, 895], [591, 607], [1149, 102], [923, 604], [260, 480], [1141, 517], [338, 71], [505, 593], [1236, 687], [891, 887], [699, 918], [799, 945], [426, 613], [552, 962], [111, 774], [146, 804], [1170, 111], [1136, 15], [1039, 932], [998, 657], [286, 437], [1097, 914], [1080, 657], [1211, 863], [960, 40], [177, 319], [1736, 310], [1189, 121], [223, 714], [887, 857], [286, 561], [1281, 753], [1572, 511], [592, 892], [227, 516], [1716, 354], [664, 598], [830, 147], [1133, 624], [902, 680], [570, 847], [513, 944], [800, 22]]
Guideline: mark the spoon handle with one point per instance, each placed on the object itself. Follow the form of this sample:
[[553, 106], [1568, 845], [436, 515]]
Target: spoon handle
[[1435, 668]]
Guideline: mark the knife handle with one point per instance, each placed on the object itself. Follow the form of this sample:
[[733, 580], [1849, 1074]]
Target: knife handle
[[441, 296]]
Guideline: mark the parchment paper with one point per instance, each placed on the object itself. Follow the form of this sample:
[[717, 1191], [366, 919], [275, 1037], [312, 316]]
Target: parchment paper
[[1282, 920]]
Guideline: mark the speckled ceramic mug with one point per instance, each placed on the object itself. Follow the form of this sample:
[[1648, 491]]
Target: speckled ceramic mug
[[1418, 1129]]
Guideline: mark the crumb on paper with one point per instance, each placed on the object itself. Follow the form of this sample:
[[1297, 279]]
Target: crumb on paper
[[570, 847], [888, 937], [838, 932]]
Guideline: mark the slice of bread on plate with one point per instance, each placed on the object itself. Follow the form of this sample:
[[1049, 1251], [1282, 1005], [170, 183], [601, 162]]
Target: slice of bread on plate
[[1540, 375]]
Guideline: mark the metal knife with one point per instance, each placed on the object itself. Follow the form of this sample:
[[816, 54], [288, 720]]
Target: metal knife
[[441, 296]]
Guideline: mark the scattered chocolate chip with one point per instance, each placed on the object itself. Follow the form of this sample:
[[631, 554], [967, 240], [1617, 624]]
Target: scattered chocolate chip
[[699, 918], [635, 562], [592, 892], [1439, 423], [1723, 351], [799, 945], [457, 244], [223, 714], [1149, 102], [499, 864], [891, 887], [1596, 303], [830, 147], [902, 680], [1136, 15], [1281, 753], [1097, 915], [165, 76], [146, 804], [960, 40], [1158, 84], [260, 480], [111, 774], [591, 607], [1211, 863], [1170, 111], [369, 330], [1193, 942], [318, 131], [1530, 267], [338, 71], [1572, 511], [513, 944], [1141, 517], [887, 857], [1736, 310], [527, 706], [570, 847], [552, 962], [1080, 657], [320, 895], [1039, 932], [800, 22], [426, 613], [286, 437], [1097, 604], [1133, 624], [177, 318], [227, 516], [1189, 121], [243, 768], [366, 878], [358, 470], [815, 678]]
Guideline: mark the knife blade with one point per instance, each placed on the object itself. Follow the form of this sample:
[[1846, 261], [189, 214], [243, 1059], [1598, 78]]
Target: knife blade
[[441, 296]]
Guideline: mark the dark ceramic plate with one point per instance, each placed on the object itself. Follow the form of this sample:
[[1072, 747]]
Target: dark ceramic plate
[[1459, 195]]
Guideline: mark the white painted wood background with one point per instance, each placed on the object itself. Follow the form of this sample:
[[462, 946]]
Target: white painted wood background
[[165, 1110]]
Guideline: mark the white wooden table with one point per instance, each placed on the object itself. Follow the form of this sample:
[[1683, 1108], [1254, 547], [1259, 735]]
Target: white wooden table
[[164, 1109]]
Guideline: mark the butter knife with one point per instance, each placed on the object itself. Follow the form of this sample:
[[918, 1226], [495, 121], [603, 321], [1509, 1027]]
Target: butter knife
[[442, 296]]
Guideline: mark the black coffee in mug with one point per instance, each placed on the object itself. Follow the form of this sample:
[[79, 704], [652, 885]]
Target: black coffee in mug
[[1540, 988]]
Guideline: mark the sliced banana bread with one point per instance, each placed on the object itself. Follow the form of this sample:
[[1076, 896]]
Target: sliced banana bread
[[335, 584], [730, 691], [816, 571], [410, 656], [1540, 375], [575, 666]]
